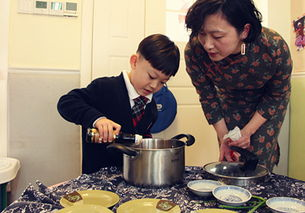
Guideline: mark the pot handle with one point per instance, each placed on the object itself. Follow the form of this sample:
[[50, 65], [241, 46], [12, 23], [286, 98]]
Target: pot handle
[[124, 149], [190, 138]]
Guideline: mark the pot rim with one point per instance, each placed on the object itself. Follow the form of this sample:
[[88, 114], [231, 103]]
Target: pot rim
[[138, 147], [159, 149]]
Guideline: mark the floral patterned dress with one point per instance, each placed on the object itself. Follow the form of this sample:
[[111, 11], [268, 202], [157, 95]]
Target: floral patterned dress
[[239, 85]]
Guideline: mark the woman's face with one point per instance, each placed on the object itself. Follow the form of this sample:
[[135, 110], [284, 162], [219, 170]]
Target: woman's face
[[219, 38]]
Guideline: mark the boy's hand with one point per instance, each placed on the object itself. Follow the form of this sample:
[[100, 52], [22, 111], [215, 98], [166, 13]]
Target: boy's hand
[[107, 129]]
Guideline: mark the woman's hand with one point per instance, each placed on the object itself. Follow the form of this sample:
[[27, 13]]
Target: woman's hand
[[106, 128], [252, 126], [226, 154], [243, 141]]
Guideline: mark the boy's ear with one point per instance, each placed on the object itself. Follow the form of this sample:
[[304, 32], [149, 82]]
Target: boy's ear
[[133, 61]]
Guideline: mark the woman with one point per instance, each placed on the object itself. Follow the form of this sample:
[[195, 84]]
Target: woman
[[241, 72]]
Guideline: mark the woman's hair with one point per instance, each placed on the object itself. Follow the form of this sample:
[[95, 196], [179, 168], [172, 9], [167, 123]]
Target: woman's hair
[[161, 53], [237, 12]]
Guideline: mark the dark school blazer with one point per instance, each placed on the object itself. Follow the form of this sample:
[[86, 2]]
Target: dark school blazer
[[106, 96]]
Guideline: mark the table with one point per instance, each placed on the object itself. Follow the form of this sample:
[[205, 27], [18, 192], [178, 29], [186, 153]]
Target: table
[[44, 199]]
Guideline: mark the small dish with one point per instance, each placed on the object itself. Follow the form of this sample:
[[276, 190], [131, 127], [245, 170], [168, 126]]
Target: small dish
[[85, 208], [94, 197], [231, 195], [285, 204], [203, 188]]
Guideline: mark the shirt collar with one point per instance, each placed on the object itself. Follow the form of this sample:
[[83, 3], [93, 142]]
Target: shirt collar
[[131, 90]]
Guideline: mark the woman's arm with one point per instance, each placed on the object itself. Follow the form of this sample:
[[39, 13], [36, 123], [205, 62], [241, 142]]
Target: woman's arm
[[278, 87], [207, 93], [194, 59], [221, 129], [224, 149]]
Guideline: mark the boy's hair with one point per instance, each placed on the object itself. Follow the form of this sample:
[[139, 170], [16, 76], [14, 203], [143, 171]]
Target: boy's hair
[[237, 12], [161, 53]]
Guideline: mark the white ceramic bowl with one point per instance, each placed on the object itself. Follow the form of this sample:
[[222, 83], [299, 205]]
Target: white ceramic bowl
[[203, 188], [231, 195], [285, 204]]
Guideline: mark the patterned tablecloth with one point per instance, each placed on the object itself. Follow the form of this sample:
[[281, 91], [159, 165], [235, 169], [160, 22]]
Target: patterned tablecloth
[[43, 199]]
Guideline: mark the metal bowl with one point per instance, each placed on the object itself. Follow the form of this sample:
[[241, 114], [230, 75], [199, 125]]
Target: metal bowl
[[231, 173]]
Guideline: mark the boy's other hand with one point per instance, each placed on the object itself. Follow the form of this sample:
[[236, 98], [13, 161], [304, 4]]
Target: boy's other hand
[[107, 129]]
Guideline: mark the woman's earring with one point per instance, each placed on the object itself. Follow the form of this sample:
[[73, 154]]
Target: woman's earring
[[243, 49]]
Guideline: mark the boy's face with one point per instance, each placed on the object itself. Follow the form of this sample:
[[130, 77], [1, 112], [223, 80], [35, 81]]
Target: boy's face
[[144, 78]]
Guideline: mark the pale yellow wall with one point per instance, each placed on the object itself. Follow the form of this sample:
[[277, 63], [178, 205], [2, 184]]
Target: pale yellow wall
[[262, 6], [4, 25], [281, 23], [297, 11], [297, 123], [297, 129], [39, 41]]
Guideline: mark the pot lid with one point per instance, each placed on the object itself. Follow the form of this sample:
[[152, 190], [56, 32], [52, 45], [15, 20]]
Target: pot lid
[[234, 170]]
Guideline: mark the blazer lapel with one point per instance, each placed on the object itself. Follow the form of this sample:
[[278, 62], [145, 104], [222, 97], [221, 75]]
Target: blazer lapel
[[123, 100]]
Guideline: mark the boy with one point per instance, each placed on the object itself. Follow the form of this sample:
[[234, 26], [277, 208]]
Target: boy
[[106, 103]]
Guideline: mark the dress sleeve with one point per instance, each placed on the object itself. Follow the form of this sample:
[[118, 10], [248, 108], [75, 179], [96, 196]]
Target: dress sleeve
[[203, 85], [278, 88]]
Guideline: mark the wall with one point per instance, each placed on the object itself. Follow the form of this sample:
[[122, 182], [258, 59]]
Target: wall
[[297, 11], [297, 126], [43, 64], [263, 7], [280, 23], [4, 26]]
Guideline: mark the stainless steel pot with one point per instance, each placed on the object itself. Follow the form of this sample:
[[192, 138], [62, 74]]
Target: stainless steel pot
[[154, 162]]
